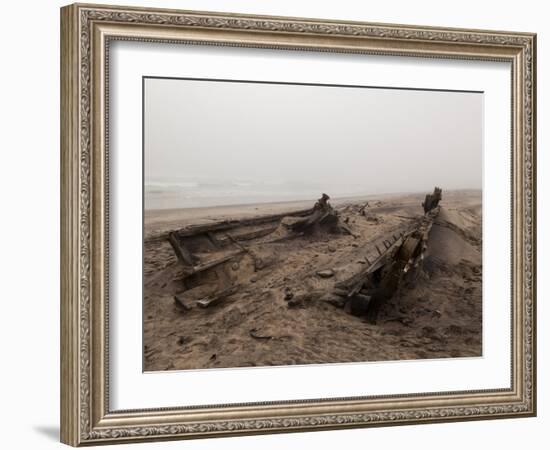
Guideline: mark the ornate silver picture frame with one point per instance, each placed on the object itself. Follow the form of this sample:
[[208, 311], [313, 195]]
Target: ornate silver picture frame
[[87, 33]]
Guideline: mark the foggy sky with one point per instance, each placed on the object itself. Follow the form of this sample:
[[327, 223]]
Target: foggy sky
[[348, 140]]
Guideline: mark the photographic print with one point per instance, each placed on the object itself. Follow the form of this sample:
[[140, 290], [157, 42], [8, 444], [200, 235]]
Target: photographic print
[[290, 224]]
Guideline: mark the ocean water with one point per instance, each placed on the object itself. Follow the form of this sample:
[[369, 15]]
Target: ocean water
[[173, 194]]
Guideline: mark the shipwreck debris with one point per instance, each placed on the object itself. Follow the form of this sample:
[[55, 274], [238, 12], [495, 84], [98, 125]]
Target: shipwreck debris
[[182, 302], [216, 298], [325, 273], [359, 304], [323, 216], [334, 299], [194, 244], [288, 293], [367, 290], [186, 302], [432, 200], [226, 254], [182, 253], [220, 247]]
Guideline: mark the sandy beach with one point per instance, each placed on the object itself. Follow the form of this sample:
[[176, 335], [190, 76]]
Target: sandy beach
[[438, 314]]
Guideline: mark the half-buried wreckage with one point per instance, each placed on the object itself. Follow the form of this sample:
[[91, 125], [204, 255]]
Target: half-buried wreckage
[[214, 256]]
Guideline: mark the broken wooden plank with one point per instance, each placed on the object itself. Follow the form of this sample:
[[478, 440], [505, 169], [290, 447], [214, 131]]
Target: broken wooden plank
[[183, 302], [184, 256], [213, 239], [216, 298], [209, 264], [254, 334]]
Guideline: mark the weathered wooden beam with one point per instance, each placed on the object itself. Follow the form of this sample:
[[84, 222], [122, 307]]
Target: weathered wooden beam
[[216, 298], [359, 304], [254, 234], [225, 225]]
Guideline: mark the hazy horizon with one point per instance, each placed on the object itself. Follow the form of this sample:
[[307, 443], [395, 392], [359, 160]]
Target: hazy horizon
[[213, 143]]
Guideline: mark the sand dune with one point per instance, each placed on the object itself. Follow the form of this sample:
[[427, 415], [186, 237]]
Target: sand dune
[[436, 313]]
